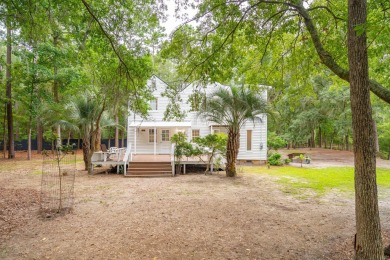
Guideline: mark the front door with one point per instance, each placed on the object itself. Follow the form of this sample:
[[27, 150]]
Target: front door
[[164, 141]]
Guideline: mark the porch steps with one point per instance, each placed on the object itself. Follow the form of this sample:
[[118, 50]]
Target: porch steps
[[149, 169]]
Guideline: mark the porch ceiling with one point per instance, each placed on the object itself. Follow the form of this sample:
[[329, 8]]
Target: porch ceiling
[[160, 124]]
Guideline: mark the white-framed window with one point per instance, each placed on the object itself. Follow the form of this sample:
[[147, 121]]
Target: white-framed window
[[151, 135], [154, 85], [195, 133], [248, 140], [165, 135], [153, 104]]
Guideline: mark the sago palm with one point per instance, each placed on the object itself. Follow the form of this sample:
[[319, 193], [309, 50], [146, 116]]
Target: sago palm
[[232, 107]]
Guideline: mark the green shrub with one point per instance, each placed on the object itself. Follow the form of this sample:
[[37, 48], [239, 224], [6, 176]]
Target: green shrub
[[287, 161], [275, 159], [275, 142]]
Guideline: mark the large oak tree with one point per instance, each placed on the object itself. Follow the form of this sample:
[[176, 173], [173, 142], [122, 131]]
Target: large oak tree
[[227, 31]]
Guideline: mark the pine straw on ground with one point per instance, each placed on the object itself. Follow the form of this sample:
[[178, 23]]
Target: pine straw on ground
[[15, 208]]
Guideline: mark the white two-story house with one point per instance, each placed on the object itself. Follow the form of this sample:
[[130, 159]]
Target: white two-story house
[[152, 135]]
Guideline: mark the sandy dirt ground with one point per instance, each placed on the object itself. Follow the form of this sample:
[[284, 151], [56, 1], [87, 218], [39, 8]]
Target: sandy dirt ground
[[325, 157], [192, 216]]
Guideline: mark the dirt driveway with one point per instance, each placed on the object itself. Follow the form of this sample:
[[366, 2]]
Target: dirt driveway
[[327, 158], [186, 217]]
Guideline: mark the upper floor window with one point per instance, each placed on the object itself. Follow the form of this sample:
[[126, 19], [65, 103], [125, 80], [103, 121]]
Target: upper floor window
[[153, 104]]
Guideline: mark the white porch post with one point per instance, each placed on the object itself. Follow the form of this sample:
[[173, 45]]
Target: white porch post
[[155, 141], [135, 140]]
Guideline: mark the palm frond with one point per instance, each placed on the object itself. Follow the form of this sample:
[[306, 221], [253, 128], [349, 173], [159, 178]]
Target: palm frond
[[233, 106]]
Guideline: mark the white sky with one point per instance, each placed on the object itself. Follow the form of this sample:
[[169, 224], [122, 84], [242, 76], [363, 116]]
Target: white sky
[[172, 23]]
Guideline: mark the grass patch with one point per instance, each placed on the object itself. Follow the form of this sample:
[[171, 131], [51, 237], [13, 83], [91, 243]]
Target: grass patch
[[319, 180]]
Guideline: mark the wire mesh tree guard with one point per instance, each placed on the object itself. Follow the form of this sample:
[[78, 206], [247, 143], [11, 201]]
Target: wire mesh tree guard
[[57, 185]]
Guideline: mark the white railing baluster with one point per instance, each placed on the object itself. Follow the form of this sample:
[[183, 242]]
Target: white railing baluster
[[173, 159]]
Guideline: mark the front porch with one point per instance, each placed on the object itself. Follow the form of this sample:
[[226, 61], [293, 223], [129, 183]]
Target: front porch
[[151, 158], [154, 137]]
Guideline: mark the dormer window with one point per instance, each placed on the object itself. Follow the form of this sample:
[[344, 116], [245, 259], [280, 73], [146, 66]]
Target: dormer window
[[153, 104]]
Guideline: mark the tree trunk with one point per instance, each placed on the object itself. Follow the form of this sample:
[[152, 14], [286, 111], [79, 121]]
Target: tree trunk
[[69, 135], [5, 132], [98, 139], [109, 138], [123, 138], [116, 131], [86, 147], [39, 137], [10, 118], [313, 140], [31, 109], [95, 135], [91, 151], [59, 139], [56, 94], [376, 138], [16, 126], [347, 142], [368, 244], [319, 137], [233, 146], [388, 156], [332, 139], [29, 139]]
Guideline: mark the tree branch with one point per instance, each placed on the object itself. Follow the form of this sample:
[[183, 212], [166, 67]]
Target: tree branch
[[196, 17], [230, 34], [328, 10], [282, 12], [127, 71], [328, 60], [109, 39]]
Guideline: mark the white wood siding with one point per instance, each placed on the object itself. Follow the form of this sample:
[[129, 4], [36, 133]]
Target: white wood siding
[[259, 143], [259, 129]]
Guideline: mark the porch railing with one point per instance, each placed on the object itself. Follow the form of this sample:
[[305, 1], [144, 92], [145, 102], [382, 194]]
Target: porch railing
[[126, 159], [130, 153], [173, 159]]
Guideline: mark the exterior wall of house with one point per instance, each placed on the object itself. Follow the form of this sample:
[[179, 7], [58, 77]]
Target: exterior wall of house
[[259, 128], [258, 147], [143, 146]]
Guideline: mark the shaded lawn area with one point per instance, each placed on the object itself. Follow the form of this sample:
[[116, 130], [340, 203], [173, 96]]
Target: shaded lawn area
[[319, 180], [192, 216]]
